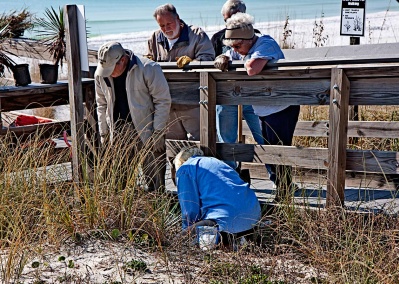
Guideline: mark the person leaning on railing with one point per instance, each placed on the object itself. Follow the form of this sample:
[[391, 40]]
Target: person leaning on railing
[[277, 121], [227, 115]]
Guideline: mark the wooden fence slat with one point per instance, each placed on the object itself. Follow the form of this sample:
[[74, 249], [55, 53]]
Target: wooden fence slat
[[380, 129], [183, 93], [375, 91], [208, 113], [319, 177], [274, 92], [339, 104], [386, 162], [272, 154], [75, 89]]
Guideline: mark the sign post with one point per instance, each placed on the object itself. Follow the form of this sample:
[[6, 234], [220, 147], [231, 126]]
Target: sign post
[[353, 18]]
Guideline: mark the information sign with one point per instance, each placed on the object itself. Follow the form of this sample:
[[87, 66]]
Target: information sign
[[353, 16]]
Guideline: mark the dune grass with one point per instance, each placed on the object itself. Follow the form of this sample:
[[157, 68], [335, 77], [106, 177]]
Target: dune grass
[[299, 246]]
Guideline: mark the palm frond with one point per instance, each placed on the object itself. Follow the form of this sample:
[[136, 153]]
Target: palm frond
[[51, 29], [5, 59]]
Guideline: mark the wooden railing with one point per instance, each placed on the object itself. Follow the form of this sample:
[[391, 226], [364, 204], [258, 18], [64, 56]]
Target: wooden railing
[[332, 81], [295, 83]]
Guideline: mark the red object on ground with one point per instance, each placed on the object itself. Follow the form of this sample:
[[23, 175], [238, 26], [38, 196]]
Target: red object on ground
[[23, 120]]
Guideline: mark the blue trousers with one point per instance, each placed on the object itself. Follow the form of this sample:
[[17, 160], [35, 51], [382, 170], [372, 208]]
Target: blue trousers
[[278, 129], [227, 124]]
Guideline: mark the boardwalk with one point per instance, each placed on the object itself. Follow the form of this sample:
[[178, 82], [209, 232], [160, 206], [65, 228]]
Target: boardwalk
[[313, 194]]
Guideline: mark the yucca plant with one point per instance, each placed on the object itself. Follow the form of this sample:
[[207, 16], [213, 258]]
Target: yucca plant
[[17, 22], [52, 30], [20, 71], [5, 59]]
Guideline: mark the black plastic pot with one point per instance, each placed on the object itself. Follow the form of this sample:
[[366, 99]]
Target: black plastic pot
[[21, 75], [48, 73]]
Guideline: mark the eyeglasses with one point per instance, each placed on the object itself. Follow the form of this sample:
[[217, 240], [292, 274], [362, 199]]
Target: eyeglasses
[[236, 46]]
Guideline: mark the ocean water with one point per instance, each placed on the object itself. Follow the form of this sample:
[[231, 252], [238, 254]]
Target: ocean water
[[106, 17], [131, 22]]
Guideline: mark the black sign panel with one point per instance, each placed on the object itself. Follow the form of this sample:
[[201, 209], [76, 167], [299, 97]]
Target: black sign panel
[[353, 16]]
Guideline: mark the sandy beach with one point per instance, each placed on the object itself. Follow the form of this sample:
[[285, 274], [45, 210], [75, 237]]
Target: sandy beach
[[381, 27]]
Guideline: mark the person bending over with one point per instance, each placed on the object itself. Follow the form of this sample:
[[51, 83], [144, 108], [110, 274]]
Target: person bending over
[[211, 193]]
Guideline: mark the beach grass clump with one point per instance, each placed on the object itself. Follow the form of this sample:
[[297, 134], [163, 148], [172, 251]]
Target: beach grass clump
[[39, 208], [38, 205], [349, 247]]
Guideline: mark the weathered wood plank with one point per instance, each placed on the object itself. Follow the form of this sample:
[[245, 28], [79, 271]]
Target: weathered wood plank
[[37, 95], [371, 70], [387, 52], [361, 161], [319, 176], [310, 157], [276, 74], [185, 93], [386, 162], [274, 92], [381, 129], [208, 113], [337, 141], [43, 130], [75, 90], [375, 91], [181, 76]]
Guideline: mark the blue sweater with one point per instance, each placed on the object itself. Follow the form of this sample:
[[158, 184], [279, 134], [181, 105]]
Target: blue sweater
[[209, 189]]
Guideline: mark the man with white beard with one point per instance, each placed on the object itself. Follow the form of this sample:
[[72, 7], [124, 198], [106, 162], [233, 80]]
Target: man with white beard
[[176, 41]]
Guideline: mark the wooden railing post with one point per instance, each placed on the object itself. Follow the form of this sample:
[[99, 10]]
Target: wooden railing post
[[208, 113], [75, 89], [337, 140]]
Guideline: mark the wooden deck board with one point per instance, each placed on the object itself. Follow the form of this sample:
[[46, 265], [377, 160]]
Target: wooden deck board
[[309, 194]]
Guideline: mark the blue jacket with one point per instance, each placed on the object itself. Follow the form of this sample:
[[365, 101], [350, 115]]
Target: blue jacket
[[210, 189]]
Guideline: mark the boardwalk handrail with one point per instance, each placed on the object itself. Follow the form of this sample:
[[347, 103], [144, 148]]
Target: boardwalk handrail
[[335, 82]]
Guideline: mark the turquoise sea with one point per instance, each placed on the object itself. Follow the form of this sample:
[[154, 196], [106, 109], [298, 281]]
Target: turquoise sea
[[107, 17]]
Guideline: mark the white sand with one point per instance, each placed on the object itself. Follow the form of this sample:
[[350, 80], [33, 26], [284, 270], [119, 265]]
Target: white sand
[[382, 27]]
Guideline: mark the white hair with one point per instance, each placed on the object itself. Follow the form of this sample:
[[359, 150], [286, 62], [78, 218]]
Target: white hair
[[185, 154], [239, 20], [233, 6]]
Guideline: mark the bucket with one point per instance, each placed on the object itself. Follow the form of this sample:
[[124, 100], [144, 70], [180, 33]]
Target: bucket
[[21, 75], [48, 73]]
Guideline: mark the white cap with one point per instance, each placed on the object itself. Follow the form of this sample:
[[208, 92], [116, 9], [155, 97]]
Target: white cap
[[108, 55]]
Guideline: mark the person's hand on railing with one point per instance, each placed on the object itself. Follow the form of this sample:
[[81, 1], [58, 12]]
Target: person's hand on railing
[[149, 56], [222, 62], [183, 61]]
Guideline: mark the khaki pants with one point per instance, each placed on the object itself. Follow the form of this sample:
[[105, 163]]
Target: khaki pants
[[184, 124]]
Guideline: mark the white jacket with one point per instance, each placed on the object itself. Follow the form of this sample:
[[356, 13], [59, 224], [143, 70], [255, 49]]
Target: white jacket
[[147, 93]]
